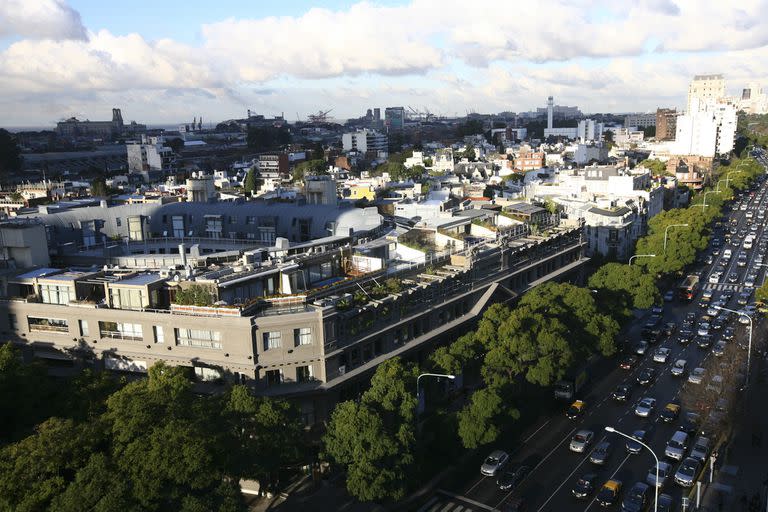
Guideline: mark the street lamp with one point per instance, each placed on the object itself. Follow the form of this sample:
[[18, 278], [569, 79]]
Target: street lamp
[[418, 391], [656, 486], [704, 203], [728, 176], [640, 256], [749, 346], [665, 233]]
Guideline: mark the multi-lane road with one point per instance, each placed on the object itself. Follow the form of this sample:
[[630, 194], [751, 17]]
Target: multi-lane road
[[555, 468]]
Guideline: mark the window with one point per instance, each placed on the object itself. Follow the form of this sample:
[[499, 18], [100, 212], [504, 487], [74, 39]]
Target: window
[[274, 377], [198, 338], [250, 219], [267, 235], [232, 219], [302, 336], [136, 228], [53, 294], [126, 298], [118, 221], [213, 226], [83, 328], [89, 233], [121, 331], [271, 339], [159, 334], [47, 324], [304, 373], [12, 322], [165, 219], [177, 222]]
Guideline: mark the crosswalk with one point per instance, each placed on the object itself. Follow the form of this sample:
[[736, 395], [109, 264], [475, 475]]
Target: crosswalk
[[444, 501], [724, 287]]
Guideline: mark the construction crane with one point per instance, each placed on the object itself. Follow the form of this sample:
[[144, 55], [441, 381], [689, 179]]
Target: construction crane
[[319, 118]]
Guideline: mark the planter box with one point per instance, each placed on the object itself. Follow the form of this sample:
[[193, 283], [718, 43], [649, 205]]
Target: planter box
[[204, 310]]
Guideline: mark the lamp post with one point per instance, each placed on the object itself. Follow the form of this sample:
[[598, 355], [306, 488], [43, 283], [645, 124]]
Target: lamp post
[[728, 177], [418, 389], [656, 486], [667, 229], [704, 203], [640, 256], [749, 346]]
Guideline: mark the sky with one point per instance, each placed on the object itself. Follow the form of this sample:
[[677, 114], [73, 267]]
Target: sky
[[167, 62]]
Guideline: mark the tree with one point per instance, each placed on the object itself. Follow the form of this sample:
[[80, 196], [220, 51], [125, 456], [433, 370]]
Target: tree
[[176, 144], [657, 167], [550, 206], [250, 183], [481, 419], [267, 138], [375, 439], [629, 285], [309, 167], [99, 188], [10, 155]]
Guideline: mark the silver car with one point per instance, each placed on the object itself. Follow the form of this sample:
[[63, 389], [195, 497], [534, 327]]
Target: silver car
[[679, 368], [665, 469], [645, 407], [494, 462], [581, 440], [696, 376], [661, 355], [686, 473], [677, 446], [700, 449]]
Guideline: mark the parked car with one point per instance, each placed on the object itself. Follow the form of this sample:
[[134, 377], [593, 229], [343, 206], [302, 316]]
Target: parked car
[[700, 449], [665, 503], [704, 341], [696, 376], [677, 446], [636, 498], [645, 407], [660, 355], [670, 412], [665, 468], [679, 368], [719, 349], [494, 462]]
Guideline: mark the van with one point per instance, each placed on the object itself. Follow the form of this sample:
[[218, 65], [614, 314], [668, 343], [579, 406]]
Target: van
[[677, 446], [727, 253]]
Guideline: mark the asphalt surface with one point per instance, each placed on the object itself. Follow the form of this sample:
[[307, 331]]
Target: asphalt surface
[[555, 468]]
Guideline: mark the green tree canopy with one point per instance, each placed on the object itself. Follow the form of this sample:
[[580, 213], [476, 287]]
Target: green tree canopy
[[250, 184], [480, 421], [309, 167], [629, 285]]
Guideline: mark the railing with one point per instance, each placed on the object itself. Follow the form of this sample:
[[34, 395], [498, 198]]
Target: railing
[[120, 336], [48, 328]]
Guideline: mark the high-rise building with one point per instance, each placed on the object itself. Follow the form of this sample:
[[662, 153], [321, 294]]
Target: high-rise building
[[365, 141], [709, 129], [666, 123], [640, 120], [706, 89], [550, 112], [589, 131], [394, 118]]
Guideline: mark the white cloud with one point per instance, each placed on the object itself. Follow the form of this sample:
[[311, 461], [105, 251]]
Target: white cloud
[[40, 19]]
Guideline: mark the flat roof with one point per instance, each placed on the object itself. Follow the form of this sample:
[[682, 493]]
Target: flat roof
[[40, 272], [69, 275], [138, 280]]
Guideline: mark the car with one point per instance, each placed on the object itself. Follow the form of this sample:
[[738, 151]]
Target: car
[[494, 462], [728, 334], [622, 393], [726, 296], [679, 368], [733, 277], [690, 319], [670, 412], [677, 446], [689, 424], [749, 282], [645, 407], [684, 337], [669, 328], [640, 348], [576, 409], [719, 349], [702, 329], [609, 493], [584, 486], [661, 354], [657, 309], [669, 296], [686, 473], [704, 341], [665, 503], [744, 316], [646, 376], [511, 477], [709, 259], [719, 322], [636, 498], [632, 445], [665, 468], [628, 362], [714, 309], [700, 450], [714, 278], [654, 320], [743, 298], [581, 440], [601, 453]]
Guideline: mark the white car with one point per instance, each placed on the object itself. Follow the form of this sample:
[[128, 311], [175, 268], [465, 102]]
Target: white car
[[645, 407], [714, 278], [703, 329], [494, 462], [678, 369], [696, 376], [661, 355], [581, 440]]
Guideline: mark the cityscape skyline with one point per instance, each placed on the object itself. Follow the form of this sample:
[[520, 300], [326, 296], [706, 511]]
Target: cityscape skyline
[[60, 59]]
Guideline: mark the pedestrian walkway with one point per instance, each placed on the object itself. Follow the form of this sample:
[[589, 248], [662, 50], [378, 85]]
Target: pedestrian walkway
[[724, 287], [444, 501]]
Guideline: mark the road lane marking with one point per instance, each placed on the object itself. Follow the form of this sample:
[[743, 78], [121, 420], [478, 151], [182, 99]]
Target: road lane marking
[[610, 478]]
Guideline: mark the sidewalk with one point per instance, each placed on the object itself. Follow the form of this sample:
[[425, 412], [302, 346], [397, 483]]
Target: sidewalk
[[743, 475]]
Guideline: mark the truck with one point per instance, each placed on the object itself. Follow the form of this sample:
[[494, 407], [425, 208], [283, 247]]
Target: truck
[[572, 383], [688, 288]]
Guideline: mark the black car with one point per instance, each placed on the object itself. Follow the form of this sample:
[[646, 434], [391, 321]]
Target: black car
[[510, 478], [640, 348], [728, 333], [584, 486], [601, 453], [622, 393], [689, 424], [636, 499], [704, 341], [685, 336], [632, 445], [719, 322], [646, 376], [669, 328], [651, 335], [628, 362]]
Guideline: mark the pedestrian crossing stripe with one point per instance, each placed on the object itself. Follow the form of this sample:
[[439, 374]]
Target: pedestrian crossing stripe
[[723, 287]]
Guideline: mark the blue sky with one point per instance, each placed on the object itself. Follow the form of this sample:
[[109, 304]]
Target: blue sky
[[165, 62]]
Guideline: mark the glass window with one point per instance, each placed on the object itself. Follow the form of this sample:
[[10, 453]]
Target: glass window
[[83, 328], [121, 331], [304, 373], [135, 228], [12, 321], [274, 377], [198, 338], [271, 339], [159, 334], [177, 222], [250, 219], [126, 298], [118, 221], [47, 324], [213, 226], [302, 336], [53, 294]]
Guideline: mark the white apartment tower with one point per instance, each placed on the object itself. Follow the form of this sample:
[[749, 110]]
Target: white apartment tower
[[708, 129], [706, 89]]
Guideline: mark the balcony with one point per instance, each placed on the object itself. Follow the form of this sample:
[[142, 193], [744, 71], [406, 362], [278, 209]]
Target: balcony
[[121, 336], [48, 328]]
